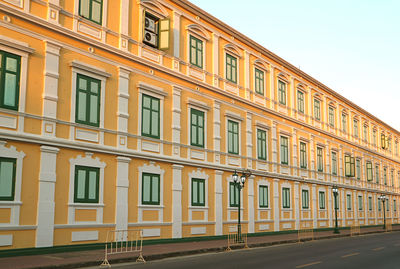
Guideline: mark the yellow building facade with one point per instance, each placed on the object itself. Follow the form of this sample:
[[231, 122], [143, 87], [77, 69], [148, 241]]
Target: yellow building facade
[[135, 114]]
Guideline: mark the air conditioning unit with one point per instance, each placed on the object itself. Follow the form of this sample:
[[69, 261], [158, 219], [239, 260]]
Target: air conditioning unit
[[150, 38], [150, 25]]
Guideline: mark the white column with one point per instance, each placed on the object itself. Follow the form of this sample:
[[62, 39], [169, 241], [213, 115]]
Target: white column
[[366, 217], [121, 206], [343, 207], [177, 35], [50, 91], [274, 134], [249, 139], [312, 158], [330, 207], [295, 163], [355, 195], [247, 74], [292, 96], [250, 191], [272, 88], [310, 105], [276, 204], [374, 201], [328, 161], [46, 203], [124, 25], [296, 205], [315, 208], [123, 114], [218, 202], [53, 11], [215, 57], [176, 121], [217, 131], [177, 201]]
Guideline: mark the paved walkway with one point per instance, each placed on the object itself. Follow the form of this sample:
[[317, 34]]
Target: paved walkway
[[151, 252]]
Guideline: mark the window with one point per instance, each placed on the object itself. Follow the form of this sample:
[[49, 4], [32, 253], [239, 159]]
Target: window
[[387, 204], [331, 112], [360, 203], [370, 203], [198, 192], [282, 92], [259, 81], [87, 100], [369, 171], [284, 150], [303, 155], [263, 196], [233, 195], [348, 201], [334, 163], [320, 160], [91, 10], [392, 177], [10, 65], [231, 68], [150, 116], [365, 131], [321, 195], [300, 101], [377, 174], [233, 137], [358, 168], [285, 197], [374, 137], [150, 189], [336, 201], [196, 128], [305, 199], [394, 205], [261, 144], [385, 176], [196, 51], [355, 128], [379, 205], [396, 148], [86, 184], [344, 123], [7, 179], [156, 32], [317, 109], [349, 166]]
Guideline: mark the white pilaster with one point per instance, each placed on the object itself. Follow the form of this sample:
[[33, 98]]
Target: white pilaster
[[218, 202], [50, 91], [53, 11], [292, 95], [177, 38], [121, 206], [272, 88], [250, 191], [315, 208], [294, 163], [217, 131], [355, 195], [46, 204], [123, 112], [343, 206], [215, 55], [276, 204], [177, 201], [312, 158], [247, 74], [249, 139], [176, 120], [330, 207], [124, 25], [296, 205], [274, 135]]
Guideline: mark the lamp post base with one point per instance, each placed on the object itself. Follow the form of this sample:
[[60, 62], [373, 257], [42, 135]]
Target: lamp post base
[[336, 231]]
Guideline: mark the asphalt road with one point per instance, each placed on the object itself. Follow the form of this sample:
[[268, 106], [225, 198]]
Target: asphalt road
[[370, 251]]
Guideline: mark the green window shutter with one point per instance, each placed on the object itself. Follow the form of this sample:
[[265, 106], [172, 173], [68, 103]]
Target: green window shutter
[[360, 203], [259, 81], [384, 176], [305, 199], [263, 196], [394, 205], [164, 34], [284, 150], [196, 52], [86, 184], [150, 116], [87, 100], [379, 205], [303, 155], [370, 203], [320, 160], [233, 195], [150, 189], [300, 101], [334, 163], [233, 137], [231, 68], [377, 174], [261, 144], [282, 92], [196, 128], [321, 200], [91, 10], [369, 171], [7, 179], [317, 109], [348, 202], [198, 192], [355, 128], [285, 197], [331, 117], [344, 123], [10, 70], [358, 168]]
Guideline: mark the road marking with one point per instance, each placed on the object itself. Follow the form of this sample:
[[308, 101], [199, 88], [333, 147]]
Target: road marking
[[352, 254], [308, 264], [377, 249]]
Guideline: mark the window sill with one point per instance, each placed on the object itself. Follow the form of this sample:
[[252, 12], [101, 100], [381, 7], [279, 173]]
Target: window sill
[[5, 203], [91, 23], [85, 205], [151, 206], [264, 208], [198, 207]]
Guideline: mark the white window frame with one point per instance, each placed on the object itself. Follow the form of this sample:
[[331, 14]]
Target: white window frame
[[201, 175], [200, 106]]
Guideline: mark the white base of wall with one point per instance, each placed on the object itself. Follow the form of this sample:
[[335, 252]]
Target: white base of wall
[[85, 236], [151, 232], [198, 230], [287, 226], [263, 227], [6, 240]]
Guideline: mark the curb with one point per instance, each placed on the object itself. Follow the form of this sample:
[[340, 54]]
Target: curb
[[195, 251]]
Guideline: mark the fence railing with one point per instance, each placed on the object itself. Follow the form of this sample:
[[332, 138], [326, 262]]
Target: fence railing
[[235, 239], [304, 234], [388, 227], [355, 229], [123, 241]]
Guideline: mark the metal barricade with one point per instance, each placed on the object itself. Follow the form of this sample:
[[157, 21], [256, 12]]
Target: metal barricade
[[235, 239], [388, 227], [123, 241], [355, 229], [304, 234]]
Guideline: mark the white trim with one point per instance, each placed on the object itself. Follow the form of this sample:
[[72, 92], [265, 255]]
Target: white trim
[[200, 175], [89, 161], [198, 31]]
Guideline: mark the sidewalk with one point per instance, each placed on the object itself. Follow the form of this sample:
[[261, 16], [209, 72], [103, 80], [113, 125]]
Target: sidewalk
[[152, 252]]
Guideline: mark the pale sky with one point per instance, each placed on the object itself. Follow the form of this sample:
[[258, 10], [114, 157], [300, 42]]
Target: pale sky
[[351, 46]]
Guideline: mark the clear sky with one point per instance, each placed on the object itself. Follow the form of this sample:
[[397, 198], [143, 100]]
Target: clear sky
[[351, 46]]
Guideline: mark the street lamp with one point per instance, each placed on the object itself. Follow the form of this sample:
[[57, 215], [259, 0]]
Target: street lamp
[[335, 194], [239, 183], [382, 197]]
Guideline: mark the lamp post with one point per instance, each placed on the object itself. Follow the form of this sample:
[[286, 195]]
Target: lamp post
[[335, 194], [239, 183], [382, 197]]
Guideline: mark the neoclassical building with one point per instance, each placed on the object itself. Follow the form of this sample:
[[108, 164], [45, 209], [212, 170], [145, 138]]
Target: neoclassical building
[[130, 114]]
